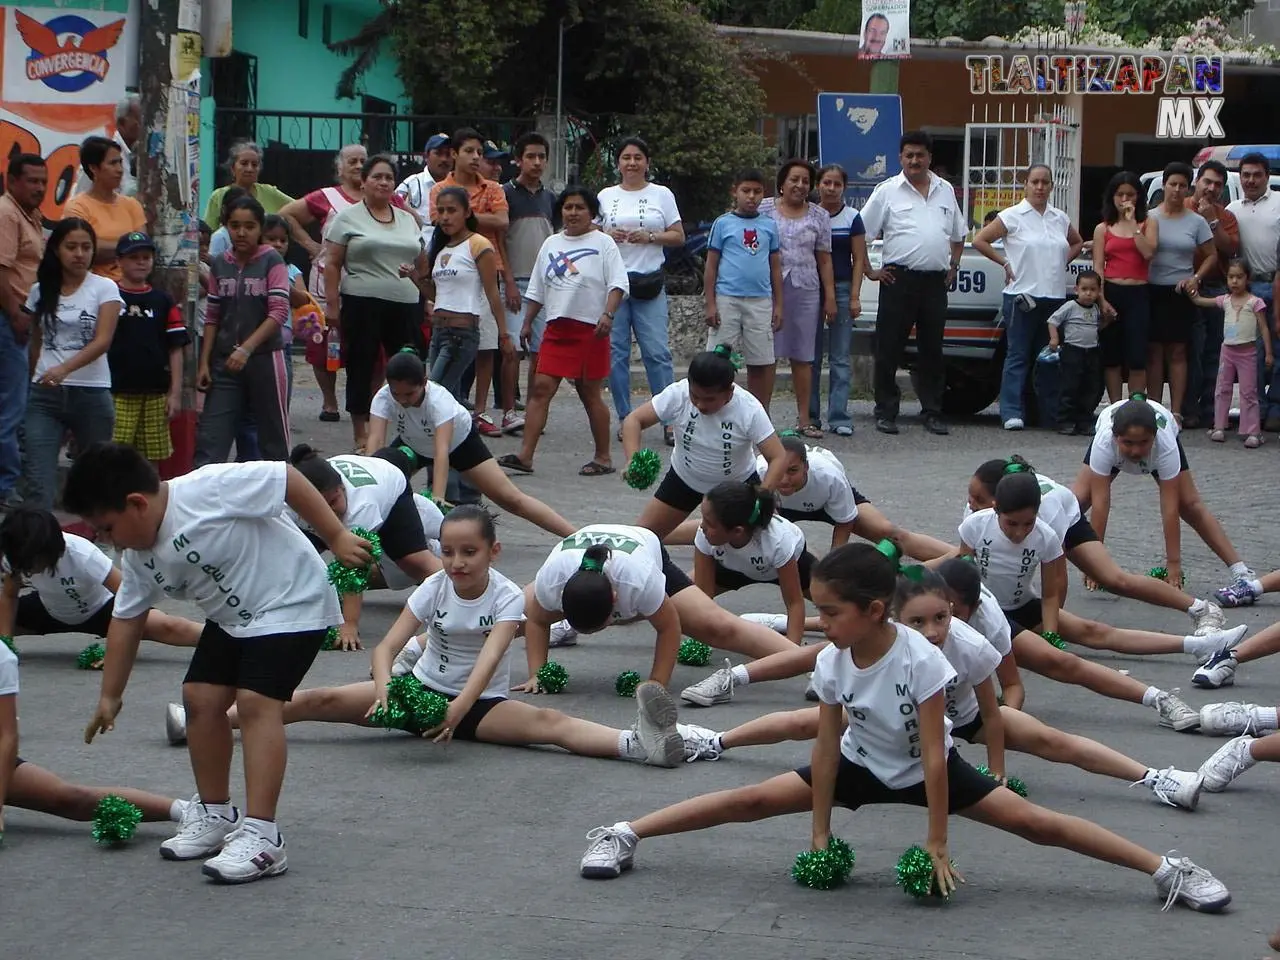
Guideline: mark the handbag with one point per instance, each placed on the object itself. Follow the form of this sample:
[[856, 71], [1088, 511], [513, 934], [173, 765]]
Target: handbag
[[646, 286]]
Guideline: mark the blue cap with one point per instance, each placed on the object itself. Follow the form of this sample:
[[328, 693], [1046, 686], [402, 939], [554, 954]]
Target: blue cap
[[134, 243], [436, 142], [494, 152]]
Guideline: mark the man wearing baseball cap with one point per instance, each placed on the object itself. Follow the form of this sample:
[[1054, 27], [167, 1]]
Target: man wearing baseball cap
[[493, 160], [437, 160]]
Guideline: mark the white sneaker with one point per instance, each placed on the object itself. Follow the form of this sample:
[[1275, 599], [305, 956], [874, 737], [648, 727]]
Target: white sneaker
[[1209, 620], [777, 622], [717, 688], [1177, 788], [1228, 719], [1207, 646], [247, 856], [1180, 879], [512, 421], [1228, 762], [1218, 672], [655, 725], [699, 742], [612, 850], [1175, 713], [563, 635], [407, 658], [200, 833], [175, 724], [1014, 423]]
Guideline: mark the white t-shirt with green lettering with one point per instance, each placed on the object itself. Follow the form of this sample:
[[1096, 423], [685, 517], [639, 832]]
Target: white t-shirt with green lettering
[[634, 568]]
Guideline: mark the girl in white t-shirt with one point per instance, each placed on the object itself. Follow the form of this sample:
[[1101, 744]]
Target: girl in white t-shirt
[[1061, 510], [373, 494], [73, 316], [1139, 436], [73, 584], [718, 425], [885, 685], [610, 574], [430, 423], [472, 614], [29, 787], [743, 541]]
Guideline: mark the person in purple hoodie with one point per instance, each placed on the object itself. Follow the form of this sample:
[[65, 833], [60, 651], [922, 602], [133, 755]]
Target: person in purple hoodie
[[243, 360]]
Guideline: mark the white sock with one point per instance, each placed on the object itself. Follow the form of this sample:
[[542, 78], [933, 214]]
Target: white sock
[[1193, 644], [1239, 569], [1256, 587], [740, 676], [224, 810], [266, 828], [1265, 717], [629, 746], [1151, 773], [177, 809], [718, 743], [1149, 698], [1196, 607], [625, 828]]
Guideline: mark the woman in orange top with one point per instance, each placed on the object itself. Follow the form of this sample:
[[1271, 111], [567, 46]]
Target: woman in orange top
[[111, 214]]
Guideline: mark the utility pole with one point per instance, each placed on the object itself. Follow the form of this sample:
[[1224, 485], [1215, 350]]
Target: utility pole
[[168, 176]]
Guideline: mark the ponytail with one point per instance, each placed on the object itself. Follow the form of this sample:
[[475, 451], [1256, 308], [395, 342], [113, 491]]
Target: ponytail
[[587, 600], [318, 471], [746, 505], [990, 473]]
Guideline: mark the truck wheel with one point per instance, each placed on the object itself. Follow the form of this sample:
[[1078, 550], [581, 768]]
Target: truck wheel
[[972, 386]]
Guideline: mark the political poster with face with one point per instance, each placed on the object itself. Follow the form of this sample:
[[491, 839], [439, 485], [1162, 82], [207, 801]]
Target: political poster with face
[[886, 30]]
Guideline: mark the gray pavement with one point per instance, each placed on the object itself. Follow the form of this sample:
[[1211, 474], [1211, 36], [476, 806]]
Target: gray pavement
[[402, 849]]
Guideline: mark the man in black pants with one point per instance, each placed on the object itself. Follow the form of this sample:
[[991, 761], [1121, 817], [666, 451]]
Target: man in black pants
[[917, 215]]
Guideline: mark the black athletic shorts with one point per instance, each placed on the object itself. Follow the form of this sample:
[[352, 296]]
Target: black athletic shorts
[[676, 579], [1029, 616], [272, 665], [1078, 534], [968, 732], [856, 786], [401, 533], [727, 579], [675, 493], [470, 453], [467, 727], [32, 617]]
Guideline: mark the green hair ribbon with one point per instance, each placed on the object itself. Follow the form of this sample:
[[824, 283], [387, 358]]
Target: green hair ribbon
[[1138, 396], [726, 351], [1013, 466], [890, 550], [591, 565], [755, 512], [792, 432]]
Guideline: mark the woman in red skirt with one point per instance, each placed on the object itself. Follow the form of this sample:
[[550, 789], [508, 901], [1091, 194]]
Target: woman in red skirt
[[580, 279]]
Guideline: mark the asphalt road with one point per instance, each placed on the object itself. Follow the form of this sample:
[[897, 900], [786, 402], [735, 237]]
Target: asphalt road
[[401, 849]]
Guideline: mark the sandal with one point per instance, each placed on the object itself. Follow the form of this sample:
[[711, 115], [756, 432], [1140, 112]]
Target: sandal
[[812, 431], [329, 416], [593, 469], [512, 462]]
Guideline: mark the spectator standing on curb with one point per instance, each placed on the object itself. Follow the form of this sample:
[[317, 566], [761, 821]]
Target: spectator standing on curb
[[1039, 241], [1258, 216], [917, 215], [1123, 245], [21, 247], [415, 189], [111, 214], [244, 160], [1206, 332], [128, 128]]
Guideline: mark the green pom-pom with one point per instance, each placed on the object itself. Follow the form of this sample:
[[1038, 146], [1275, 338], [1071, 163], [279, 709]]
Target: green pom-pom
[[91, 657], [8, 642], [552, 677], [915, 873], [643, 469], [375, 542], [1013, 783], [355, 579], [1162, 573], [114, 820], [824, 869], [411, 706], [1054, 639], [694, 653], [444, 506], [330, 639], [626, 683]]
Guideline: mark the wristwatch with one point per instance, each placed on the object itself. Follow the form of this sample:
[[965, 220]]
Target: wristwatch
[[609, 314], [651, 236]]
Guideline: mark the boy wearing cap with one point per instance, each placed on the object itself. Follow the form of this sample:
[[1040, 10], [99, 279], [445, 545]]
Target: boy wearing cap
[[146, 354], [415, 189]]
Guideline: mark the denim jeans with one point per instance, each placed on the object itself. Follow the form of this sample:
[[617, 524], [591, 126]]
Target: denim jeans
[[836, 343], [1026, 333], [1202, 359], [90, 415], [1268, 387], [453, 349], [648, 320], [15, 382]]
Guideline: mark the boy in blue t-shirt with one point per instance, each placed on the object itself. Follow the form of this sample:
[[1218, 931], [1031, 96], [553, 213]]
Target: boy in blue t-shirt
[[744, 283]]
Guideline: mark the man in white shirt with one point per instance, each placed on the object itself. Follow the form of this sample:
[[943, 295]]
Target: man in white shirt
[[1258, 214], [917, 215], [128, 128], [437, 162]]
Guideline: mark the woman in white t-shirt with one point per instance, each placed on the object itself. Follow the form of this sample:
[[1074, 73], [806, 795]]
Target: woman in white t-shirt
[[642, 218], [743, 541], [885, 685], [1061, 510], [429, 422], [1139, 436], [73, 318], [612, 574], [373, 494], [719, 427], [580, 279], [72, 584], [472, 614]]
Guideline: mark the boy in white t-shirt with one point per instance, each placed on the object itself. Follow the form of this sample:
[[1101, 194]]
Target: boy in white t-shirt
[[218, 537], [73, 584]]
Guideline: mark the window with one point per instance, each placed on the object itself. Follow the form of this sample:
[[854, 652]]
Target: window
[[326, 25], [304, 17]]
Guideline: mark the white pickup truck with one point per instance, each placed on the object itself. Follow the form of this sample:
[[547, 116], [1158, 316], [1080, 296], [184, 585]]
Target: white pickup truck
[[973, 343]]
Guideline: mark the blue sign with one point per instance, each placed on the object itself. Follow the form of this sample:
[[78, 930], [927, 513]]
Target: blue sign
[[860, 131]]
